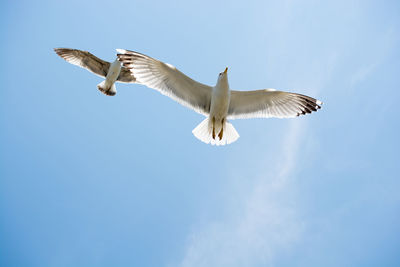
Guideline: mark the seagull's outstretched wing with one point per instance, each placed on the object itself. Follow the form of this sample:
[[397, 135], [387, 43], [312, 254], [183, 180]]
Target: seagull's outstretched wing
[[270, 103], [166, 79], [88, 61]]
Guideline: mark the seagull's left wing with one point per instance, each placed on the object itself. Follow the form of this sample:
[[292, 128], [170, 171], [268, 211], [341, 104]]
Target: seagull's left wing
[[269, 103], [168, 80]]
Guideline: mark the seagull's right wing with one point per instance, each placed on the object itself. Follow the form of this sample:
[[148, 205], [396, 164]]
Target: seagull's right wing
[[88, 61], [168, 80], [270, 103]]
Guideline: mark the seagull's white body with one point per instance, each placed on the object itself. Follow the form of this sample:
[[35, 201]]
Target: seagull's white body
[[216, 129], [220, 102], [108, 85]]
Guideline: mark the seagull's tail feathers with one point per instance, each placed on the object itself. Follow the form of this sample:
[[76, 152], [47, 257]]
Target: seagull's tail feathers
[[203, 132], [107, 89]]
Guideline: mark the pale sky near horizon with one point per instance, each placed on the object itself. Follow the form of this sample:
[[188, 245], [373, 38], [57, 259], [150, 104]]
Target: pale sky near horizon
[[91, 180]]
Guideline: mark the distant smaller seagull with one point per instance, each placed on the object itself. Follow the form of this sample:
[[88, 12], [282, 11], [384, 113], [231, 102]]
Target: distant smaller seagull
[[218, 103], [111, 71]]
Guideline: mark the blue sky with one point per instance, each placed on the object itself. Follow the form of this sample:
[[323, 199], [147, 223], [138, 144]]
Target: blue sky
[[91, 180]]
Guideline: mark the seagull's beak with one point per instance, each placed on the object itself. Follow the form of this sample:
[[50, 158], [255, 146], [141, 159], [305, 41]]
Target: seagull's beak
[[226, 70]]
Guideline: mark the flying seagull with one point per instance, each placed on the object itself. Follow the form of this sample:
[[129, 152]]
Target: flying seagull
[[217, 103], [111, 71]]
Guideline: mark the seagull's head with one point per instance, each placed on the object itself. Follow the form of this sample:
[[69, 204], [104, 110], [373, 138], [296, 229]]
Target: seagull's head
[[223, 76]]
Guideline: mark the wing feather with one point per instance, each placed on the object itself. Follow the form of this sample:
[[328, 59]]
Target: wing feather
[[269, 103], [168, 80]]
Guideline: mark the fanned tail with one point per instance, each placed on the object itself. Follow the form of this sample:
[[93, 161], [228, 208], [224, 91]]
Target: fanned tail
[[203, 132], [107, 90]]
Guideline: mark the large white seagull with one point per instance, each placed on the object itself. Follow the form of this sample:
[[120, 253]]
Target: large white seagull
[[218, 103]]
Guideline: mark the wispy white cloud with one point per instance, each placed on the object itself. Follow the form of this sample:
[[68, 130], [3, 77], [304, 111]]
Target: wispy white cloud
[[264, 226], [361, 74]]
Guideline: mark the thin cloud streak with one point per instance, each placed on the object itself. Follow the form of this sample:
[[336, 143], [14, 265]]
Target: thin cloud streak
[[266, 225]]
